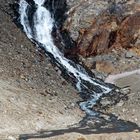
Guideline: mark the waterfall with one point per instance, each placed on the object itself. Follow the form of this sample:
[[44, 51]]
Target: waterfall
[[38, 24]]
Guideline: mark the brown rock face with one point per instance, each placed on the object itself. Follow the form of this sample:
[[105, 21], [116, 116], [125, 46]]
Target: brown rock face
[[105, 67], [99, 37], [129, 31], [116, 24]]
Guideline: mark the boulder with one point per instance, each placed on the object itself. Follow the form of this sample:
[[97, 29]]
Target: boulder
[[99, 26]]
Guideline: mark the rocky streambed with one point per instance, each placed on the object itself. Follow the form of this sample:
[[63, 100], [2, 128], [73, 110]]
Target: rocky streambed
[[35, 98]]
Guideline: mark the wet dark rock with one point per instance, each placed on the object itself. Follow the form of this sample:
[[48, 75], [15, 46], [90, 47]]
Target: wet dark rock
[[58, 9], [112, 99]]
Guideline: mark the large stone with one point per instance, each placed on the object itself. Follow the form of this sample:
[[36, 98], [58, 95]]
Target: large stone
[[100, 25], [105, 67], [129, 31], [99, 37]]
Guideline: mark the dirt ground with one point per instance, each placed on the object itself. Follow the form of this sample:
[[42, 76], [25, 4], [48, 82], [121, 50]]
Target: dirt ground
[[35, 98], [28, 80]]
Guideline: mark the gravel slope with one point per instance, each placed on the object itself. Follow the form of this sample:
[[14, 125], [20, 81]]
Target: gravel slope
[[34, 96]]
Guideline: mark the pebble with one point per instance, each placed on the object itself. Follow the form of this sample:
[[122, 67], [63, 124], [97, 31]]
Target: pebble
[[71, 106], [22, 77], [124, 110], [11, 138], [129, 54], [136, 119], [121, 103], [136, 130]]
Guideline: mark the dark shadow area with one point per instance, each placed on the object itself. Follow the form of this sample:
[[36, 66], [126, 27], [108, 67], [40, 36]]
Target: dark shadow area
[[107, 123]]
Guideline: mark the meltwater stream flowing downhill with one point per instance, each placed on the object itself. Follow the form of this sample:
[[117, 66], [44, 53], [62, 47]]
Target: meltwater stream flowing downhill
[[40, 33]]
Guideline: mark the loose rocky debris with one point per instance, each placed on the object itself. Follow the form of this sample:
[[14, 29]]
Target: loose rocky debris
[[34, 96]]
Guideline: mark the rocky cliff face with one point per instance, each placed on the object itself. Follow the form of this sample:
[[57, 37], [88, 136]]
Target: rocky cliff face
[[34, 96], [97, 26]]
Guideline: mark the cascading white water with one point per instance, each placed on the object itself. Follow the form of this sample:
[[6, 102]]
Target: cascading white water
[[40, 32]]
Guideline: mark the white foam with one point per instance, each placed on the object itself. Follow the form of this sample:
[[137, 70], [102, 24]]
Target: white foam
[[43, 25], [23, 18], [39, 2]]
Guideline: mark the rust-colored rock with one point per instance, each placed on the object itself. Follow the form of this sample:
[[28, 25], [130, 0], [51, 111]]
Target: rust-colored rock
[[99, 37], [93, 44], [129, 31], [106, 67], [117, 25], [108, 32]]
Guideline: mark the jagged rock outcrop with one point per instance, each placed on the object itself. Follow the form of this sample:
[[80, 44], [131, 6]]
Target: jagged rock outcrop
[[128, 34], [99, 25]]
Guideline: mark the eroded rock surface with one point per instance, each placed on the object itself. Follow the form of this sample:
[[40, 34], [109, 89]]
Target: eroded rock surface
[[34, 96], [97, 26]]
